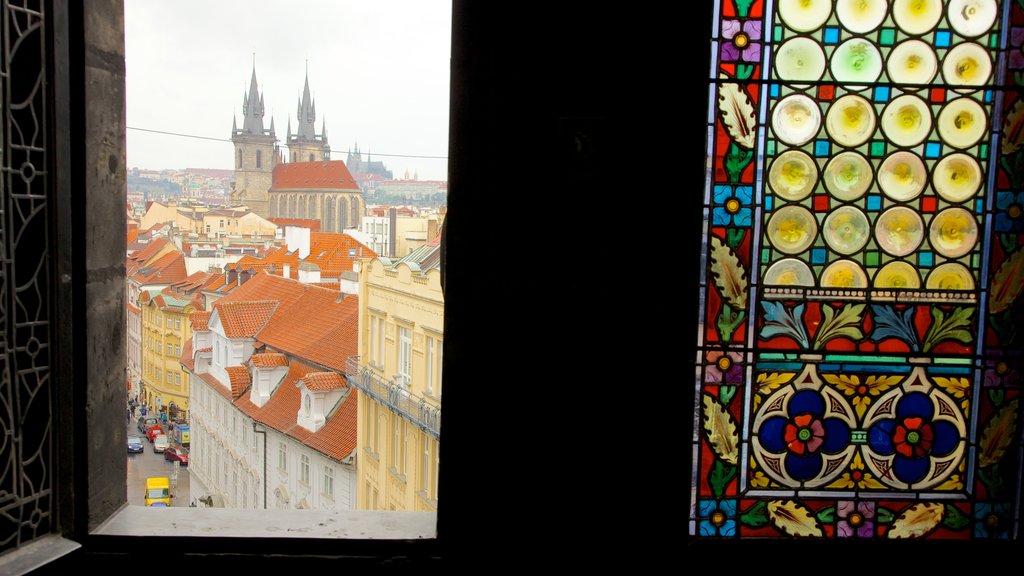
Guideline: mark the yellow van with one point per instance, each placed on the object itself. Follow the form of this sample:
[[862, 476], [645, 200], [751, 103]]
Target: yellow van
[[158, 492]]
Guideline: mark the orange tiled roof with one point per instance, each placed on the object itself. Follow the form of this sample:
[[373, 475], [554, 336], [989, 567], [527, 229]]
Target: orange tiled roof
[[215, 384], [316, 327], [337, 438], [240, 380], [265, 287], [245, 318], [313, 225], [140, 257], [330, 175], [269, 360], [330, 251], [133, 234], [167, 269], [200, 320], [186, 356], [207, 349], [324, 381]]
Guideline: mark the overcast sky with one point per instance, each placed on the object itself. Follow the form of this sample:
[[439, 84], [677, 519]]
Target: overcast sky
[[378, 70]]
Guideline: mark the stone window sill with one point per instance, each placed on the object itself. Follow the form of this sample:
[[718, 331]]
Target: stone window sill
[[241, 523]]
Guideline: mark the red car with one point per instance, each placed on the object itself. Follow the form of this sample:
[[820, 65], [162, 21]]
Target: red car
[[153, 431], [178, 453]]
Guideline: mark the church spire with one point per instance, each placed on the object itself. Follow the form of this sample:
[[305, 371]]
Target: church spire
[[306, 113], [253, 108]]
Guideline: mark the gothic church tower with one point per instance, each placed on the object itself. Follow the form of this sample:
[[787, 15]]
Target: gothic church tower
[[256, 153], [306, 145]]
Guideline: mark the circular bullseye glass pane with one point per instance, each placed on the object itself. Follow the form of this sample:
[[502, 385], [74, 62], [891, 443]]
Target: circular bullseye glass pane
[[899, 231], [850, 120], [793, 175], [846, 229], [957, 178], [789, 272], [950, 276], [792, 229], [897, 274], [844, 274], [847, 176], [953, 232], [902, 176], [796, 119]]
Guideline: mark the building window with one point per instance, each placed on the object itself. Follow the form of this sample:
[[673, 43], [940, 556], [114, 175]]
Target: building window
[[177, 323], [239, 162], [437, 469], [329, 482], [177, 350], [177, 378], [373, 341], [405, 354], [395, 438], [430, 365], [282, 457], [376, 427], [259, 158], [168, 323], [245, 491], [425, 464], [405, 447], [169, 348], [312, 158], [381, 355], [158, 374], [440, 366], [170, 378], [304, 469]]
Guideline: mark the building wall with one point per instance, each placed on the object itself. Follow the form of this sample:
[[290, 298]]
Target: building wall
[[306, 152], [286, 488], [252, 182], [397, 460], [245, 225], [335, 210], [160, 329], [226, 458], [227, 455]]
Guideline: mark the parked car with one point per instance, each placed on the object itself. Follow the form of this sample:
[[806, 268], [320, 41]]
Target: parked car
[[146, 421], [135, 445], [153, 431], [178, 453], [160, 443]]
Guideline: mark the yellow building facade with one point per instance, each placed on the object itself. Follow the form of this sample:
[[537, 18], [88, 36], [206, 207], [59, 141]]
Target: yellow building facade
[[398, 374], [165, 328]]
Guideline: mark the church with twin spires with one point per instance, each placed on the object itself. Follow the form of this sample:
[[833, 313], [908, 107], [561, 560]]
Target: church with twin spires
[[309, 185]]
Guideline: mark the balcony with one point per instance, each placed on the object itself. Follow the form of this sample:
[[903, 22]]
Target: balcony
[[424, 413]]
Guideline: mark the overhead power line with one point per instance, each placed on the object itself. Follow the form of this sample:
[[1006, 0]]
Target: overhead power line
[[227, 140]]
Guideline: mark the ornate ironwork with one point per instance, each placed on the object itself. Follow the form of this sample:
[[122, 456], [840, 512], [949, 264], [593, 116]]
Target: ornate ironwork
[[26, 460], [424, 413]]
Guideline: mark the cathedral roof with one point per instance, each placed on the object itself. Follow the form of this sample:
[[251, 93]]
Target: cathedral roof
[[329, 175]]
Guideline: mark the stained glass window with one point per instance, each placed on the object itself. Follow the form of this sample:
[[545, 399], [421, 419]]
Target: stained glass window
[[859, 352]]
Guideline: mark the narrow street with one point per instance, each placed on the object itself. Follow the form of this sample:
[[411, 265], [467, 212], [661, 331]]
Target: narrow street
[[149, 464]]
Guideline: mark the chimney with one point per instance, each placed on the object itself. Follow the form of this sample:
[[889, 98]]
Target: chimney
[[297, 239], [431, 229]]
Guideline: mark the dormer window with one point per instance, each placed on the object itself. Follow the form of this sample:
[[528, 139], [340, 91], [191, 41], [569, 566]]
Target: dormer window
[[307, 405]]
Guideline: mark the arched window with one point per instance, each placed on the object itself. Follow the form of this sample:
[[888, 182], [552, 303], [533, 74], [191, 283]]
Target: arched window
[[259, 158], [861, 230], [328, 212], [302, 207], [312, 157], [292, 206], [239, 162], [342, 214]]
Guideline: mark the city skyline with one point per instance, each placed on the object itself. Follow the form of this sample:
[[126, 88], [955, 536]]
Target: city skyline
[[379, 73]]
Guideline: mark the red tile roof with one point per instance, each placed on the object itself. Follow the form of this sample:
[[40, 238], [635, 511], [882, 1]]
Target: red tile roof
[[330, 175], [141, 257], [324, 381], [207, 349], [215, 384], [133, 234], [269, 360], [313, 225], [336, 439], [200, 320], [186, 356], [167, 269], [244, 319], [317, 327], [240, 380]]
